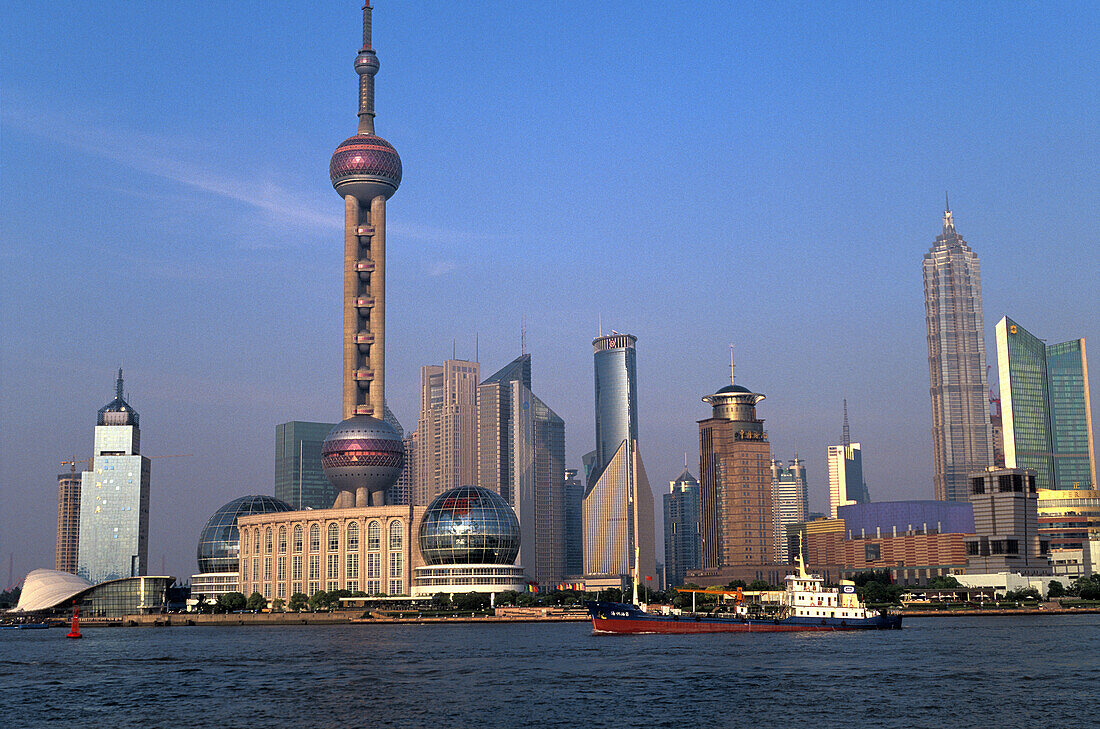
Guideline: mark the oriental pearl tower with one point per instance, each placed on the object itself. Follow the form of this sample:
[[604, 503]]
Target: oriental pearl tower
[[363, 455]]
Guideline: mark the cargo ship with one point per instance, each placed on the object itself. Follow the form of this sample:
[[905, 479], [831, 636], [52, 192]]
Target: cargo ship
[[805, 604]]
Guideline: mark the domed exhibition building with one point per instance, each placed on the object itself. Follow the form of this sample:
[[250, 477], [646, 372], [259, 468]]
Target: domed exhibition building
[[53, 593], [219, 546], [469, 539]]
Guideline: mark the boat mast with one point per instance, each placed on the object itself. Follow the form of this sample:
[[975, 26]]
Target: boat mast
[[634, 512]]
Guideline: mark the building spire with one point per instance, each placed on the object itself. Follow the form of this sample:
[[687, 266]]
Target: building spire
[[118, 385], [523, 334], [846, 438], [948, 218], [732, 381], [366, 65]]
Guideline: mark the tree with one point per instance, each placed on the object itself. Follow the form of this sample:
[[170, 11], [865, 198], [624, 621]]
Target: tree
[[441, 601], [1056, 589], [231, 602], [944, 582], [256, 602], [759, 585], [1087, 588], [470, 601], [319, 600], [277, 605], [298, 601], [507, 597], [733, 585]]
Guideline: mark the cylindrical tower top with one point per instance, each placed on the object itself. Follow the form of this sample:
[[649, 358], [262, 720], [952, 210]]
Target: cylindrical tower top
[[614, 341], [737, 403]]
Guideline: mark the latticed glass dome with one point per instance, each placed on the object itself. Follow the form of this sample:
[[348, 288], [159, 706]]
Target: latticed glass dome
[[219, 540], [469, 525]]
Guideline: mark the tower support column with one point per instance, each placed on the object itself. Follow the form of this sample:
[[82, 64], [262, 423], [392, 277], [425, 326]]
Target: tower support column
[[351, 315]]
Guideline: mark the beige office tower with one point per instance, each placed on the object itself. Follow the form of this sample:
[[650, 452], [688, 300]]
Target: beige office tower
[[446, 431], [68, 521], [609, 527]]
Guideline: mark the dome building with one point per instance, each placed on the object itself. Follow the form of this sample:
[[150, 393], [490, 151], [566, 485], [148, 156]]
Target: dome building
[[469, 538], [219, 546]]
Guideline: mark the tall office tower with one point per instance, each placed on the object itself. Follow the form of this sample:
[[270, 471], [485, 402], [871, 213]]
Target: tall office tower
[[1006, 525], [790, 504], [618, 502], [961, 438], [846, 484], [683, 543], [403, 490], [363, 455], [735, 496], [574, 531], [446, 431], [68, 521], [521, 456], [114, 497], [1045, 409], [299, 479]]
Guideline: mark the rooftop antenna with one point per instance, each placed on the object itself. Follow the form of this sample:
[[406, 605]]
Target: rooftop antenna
[[846, 438], [118, 385], [685, 460], [523, 335], [732, 382], [454, 349], [477, 346], [599, 323]]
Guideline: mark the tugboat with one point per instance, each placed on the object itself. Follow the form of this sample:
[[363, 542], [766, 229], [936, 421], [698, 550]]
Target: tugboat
[[806, 604]]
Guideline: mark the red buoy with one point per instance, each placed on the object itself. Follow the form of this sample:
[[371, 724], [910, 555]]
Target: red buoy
[[75, 632]]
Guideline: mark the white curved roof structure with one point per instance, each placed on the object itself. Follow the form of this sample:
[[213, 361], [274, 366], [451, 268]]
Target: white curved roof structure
[[44, 589]]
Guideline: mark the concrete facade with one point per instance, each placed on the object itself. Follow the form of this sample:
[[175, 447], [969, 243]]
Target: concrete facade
[[1006, 525], [608, 519], [790, 504], [447, 429], [68, 522]]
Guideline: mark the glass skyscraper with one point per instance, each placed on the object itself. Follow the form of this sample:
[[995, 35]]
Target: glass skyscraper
[[114, 498], [1045, 409], [616, 397], [962, 440], [299, 480], [683, 541]]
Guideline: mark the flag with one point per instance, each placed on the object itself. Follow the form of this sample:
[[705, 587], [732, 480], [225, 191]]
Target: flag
[[649, 577]]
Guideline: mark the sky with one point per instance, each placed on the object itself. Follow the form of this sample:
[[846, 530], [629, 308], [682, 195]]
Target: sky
[[698, 174]]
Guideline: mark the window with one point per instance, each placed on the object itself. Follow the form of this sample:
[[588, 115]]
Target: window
[[267, 568], [396, 588], [353, 537], [396, 535], [872, 552], [352, 572], [333, 571], [314, 538], [244, 542], [1012, 546], [315, 567], [296, 569], [282, 540], [374, 587], [374, 565], [374, 536], [267, 541], [280, 590], [333, 537], [280, 571], [297, 539], [256, 539], [977, 485], [395, 564]]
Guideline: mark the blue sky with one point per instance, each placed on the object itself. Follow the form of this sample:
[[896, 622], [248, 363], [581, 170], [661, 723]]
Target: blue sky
[[695, 175]]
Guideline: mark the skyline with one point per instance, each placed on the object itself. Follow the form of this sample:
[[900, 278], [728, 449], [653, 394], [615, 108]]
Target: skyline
[[251, 273]]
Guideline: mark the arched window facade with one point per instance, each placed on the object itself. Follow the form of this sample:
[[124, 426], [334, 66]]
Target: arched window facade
[[333, 537], [353, 537], [282, 540], [315, 537], [244, 542], [396, 535], [297, 539], [267, 540], [374, 535]]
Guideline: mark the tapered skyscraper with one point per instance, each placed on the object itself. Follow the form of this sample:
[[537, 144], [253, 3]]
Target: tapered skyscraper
[[363, 456], [962, 441]]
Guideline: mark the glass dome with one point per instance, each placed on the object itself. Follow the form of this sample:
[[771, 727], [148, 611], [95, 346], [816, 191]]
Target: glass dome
[[219, 540], [469, 525]]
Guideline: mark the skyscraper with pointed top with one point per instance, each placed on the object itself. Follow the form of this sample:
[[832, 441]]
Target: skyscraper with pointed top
[[962, 440], [363, 456], [846, 485], [114, 497]]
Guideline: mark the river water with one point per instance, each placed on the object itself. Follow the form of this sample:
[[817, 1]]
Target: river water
[[1005, 672]]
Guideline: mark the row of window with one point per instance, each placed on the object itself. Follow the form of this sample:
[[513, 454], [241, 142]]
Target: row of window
[[283, 590], [374, 538], [332, 567]]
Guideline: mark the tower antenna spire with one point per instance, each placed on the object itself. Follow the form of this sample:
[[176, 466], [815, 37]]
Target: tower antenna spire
[[523, 334], [366, 65], [118, 385], [946, 202], [846, 438], [732, 380]]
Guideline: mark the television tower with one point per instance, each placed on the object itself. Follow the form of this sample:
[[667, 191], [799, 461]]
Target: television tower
[[363, 455]]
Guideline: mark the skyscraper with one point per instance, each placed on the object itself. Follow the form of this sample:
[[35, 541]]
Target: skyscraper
[[521, 456], [446, 431], [299, 479], [68, 521], [790, 503], [618, 502], [961, 438], [363, 455], [735, 481], [846, 485], [1045, 410], [683, 543], [574, 530], [114, 497]]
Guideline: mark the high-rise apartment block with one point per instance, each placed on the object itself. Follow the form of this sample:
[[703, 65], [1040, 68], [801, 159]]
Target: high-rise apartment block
[[114, 497], [790, 504], [618, 503], [735, 492], [683, 542], [299, 480], [68, 521], [521, 456], [1006, 525], [1045, 411], [962, 440], [446, 431]]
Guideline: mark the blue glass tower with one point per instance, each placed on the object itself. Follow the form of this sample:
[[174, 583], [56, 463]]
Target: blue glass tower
[[616, 397]]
